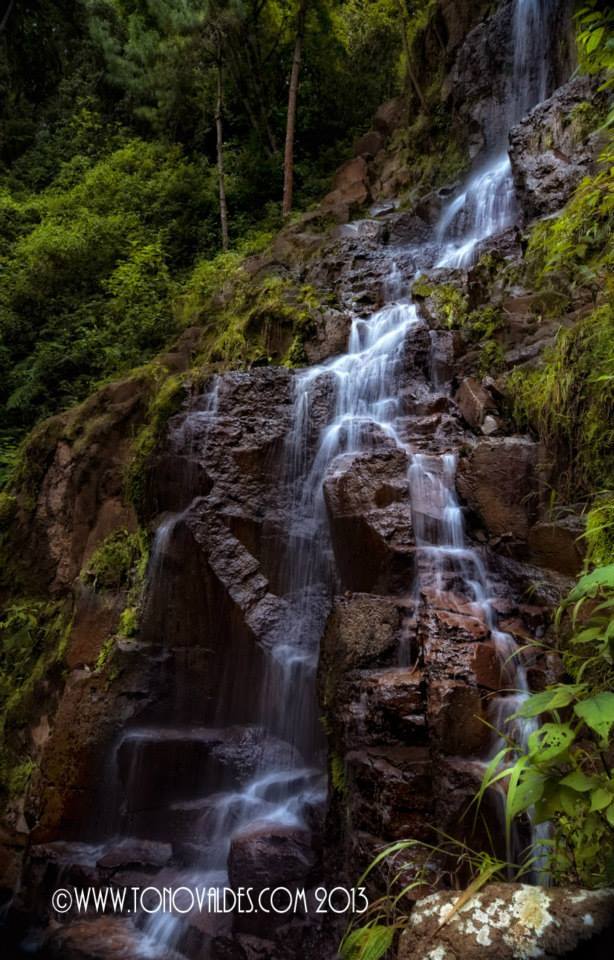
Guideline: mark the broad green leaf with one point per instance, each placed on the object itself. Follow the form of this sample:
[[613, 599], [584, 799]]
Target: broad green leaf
[[552, 699], [579, 781], [590, 583], [610, 814], [525, 793], [550, 740], [597, 713], [600, 798]]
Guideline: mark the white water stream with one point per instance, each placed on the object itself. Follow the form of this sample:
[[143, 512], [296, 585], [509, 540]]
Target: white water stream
[[367, 414]]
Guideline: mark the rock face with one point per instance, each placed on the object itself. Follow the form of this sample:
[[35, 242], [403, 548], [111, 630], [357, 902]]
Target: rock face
[[499, 479], [554, 148], [171, 724], [510, 922]]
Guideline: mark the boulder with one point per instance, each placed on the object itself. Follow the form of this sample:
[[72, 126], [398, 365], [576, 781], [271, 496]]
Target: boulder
[[266, 854], [555, 146], [370, 518], [499, 481], [136, 854], [369, 144], [104, 938], [474, 402], [350, 186], [558, 544], [511, 921]]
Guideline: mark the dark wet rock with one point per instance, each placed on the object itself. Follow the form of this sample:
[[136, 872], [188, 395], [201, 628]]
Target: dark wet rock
[[370, 517], [264, 856], [362, 629], [135, 854], [406, 227], [378, 707], [474, 402], [499, 480], [244, 947], [556, 146], [104, 938], [390, 791], [559, 545], [265, 853], [510, 921], [369, 144], [456, 718]]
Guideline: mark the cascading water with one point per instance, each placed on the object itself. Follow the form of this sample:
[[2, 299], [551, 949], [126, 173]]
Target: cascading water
[[486, 204], [366, 412]]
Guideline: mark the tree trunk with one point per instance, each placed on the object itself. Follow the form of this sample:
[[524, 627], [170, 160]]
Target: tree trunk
[[411, 76], [7, 13], [291, 120], [220, 153]]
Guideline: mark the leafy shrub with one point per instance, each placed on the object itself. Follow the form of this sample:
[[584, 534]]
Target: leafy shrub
[[564, 772], [117, 562], [569, 401]]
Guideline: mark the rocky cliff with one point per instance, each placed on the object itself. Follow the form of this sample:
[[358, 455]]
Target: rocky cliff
[[152, 522]]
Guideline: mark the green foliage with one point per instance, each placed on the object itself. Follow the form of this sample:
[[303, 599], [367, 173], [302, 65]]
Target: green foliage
[[86, 289], [117, 562], [166, 398], [564, 772], [33, 638], [600, 531], [411, 865], [573, 251], [569, 401], [595, 38]]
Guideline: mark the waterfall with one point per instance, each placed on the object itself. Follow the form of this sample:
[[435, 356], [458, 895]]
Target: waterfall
[[485, 205], [365, 413]]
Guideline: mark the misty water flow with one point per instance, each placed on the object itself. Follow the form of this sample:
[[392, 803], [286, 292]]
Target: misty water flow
[[287, 782], [485, 205]]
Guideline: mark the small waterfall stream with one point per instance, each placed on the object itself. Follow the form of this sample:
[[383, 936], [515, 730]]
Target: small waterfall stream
[[285, 780], [486, 204], [366, 414]]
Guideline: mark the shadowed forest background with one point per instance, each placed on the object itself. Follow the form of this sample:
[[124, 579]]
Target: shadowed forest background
[[109, 187]]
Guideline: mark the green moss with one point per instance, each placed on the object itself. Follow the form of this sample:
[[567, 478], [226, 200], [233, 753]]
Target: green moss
[[105, 652], [8, 506], [600, 532], [337, 773], [168, 393], [116, 562], [574, 251], [491, 358], [569, 402], [33, 638], [128, 622]]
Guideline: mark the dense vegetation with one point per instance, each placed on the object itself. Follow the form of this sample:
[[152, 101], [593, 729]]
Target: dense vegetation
[[111, 241], [109, 181]]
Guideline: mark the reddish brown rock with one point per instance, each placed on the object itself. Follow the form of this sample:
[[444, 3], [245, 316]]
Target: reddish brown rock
[[370, 517], [456, 719], [474, 402], [559, 545], [390, 791], [499, 481]]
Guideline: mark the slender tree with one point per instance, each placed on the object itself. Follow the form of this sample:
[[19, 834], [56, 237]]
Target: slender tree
[[411, 78], [292, 101], [219, 131]]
